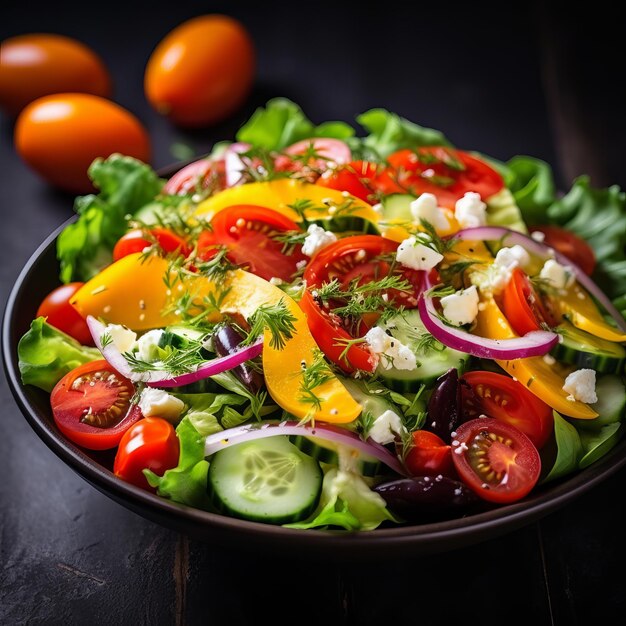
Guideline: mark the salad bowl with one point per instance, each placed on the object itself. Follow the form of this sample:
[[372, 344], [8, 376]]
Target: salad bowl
[[40, 275]]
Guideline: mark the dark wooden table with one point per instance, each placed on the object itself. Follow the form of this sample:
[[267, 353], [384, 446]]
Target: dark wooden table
[[537, 84]]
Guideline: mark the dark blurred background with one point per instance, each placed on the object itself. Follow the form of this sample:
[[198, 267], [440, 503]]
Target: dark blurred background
[[506, 79]]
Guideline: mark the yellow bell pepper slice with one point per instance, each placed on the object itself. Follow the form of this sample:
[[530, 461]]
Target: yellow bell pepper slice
[[577, 306], [132, 292], [533, 372]]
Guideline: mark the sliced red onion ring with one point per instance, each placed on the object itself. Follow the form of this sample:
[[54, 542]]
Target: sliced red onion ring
[[536, 343], [240, 434], [492, 233], [186, 180], [160, 378], [234, 166], [331, 151]]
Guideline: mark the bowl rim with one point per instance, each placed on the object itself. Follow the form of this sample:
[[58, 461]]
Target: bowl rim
[[431, 536]]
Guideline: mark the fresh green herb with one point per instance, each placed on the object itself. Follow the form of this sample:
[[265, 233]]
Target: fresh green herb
[[346, 344], [314, 375], [218, 266], [277, 318], [364, 423], [441, 292], [174, 362], [290, 239], [105, 340]]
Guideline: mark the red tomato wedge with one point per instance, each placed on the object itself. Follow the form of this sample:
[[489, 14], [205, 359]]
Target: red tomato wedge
[[91, 406], [445, 172], [137, 240], [149, 444], [58, 311], [357, 178], [570, 245], [495, 460], [249, 233], [501, 397], [429, 455]]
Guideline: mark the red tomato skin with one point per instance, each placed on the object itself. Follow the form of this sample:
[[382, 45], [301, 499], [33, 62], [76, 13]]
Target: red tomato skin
[[58, 311], [577, 250], [135, 241], [67, 418], [151, 444], [357, 178], [522, 475], [521, 409], [429, 456]]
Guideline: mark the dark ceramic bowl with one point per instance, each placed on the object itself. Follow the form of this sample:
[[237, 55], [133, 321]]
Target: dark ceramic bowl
[[40, 275]]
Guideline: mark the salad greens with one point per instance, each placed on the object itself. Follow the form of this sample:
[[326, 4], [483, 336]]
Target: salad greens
[[569, 449]]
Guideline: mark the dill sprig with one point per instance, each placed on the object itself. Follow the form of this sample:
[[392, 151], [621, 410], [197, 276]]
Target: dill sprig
[[290, 239], [106, 339], [314, 375], [218, 266], [175, 362], [277, 319]]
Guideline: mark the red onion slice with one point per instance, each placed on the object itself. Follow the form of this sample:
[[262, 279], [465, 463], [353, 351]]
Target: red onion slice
[[160, 378], [536, 343], [249, 432], [234, 165], [492, 233]]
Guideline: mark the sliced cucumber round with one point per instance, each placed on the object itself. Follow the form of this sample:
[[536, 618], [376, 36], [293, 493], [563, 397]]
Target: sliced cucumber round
[[583, 349], [347, 223], [397, 207], [265, 480], [611, 404]]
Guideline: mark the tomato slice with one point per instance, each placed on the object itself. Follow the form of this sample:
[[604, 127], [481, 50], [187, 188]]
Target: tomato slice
[[58, 311], [429, 455], [570, 245], [362, 257], [249, 233], [151, 444], [445, 172], [91, 405], [522, 305], [357, 178], [495, 460], [505, 399], [137, 240], [201, 175]]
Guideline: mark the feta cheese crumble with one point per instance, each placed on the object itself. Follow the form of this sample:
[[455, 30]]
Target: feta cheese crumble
[[122, 338], [392, 352], [581, 385], [159, 403], [556, 275], [147, 344], [512, 257], [461, 307], [496, 276], [317, 239], [425, 208], [417, 256], [470, 211], [385, 427]]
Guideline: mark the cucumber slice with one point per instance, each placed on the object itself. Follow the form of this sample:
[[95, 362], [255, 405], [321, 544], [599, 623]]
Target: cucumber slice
[[265, 480], [433, 358], [583, 349], [347, 223], [397, 207], [611, 404], [180, 337], [502, 210]]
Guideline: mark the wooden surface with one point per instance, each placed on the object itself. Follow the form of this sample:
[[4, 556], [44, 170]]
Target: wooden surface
[[539, 85]]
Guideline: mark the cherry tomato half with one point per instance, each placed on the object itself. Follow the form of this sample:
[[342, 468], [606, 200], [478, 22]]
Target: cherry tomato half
[[249, 232], [429, 455], [151, 444], [445, 172], [361, 257], [61, 314], [91, 405], [495, 460], [572, 246], [357, 178], [507, 400], [522, 305], [137, 240]]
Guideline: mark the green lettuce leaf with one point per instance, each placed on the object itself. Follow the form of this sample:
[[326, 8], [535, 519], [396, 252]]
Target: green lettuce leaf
[[532, 184], [282, 123], [126, 185], [186, 483], [348, 502], [599, 216], [45, 355], [389, 132], [569, 449]]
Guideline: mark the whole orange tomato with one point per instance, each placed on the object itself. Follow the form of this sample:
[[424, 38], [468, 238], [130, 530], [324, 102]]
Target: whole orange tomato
[[36, 65], [202, 71], [60, 135]]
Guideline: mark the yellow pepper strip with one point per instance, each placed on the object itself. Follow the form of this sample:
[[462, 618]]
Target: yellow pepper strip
[[280, 194], [533, 372], [577, 306], [132, 292]]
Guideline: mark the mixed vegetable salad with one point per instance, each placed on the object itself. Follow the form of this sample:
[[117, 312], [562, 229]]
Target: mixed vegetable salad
[[320, 330]]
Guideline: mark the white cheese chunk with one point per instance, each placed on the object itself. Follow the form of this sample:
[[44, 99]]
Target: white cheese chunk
[[159, 403], [470, 211], [425, 208], [392, 352], [147, 345], [556, 275], [513, 257], [461, 307], [417, 256], [317, 239], [581, 385], [385, 427], [123, 338]]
